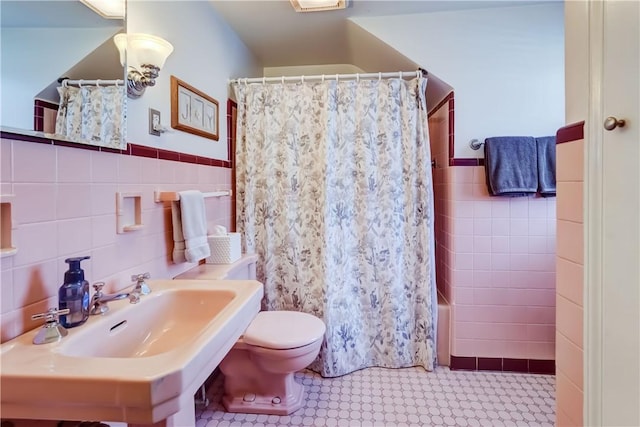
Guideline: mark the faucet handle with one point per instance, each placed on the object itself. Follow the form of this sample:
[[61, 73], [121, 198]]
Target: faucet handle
[[140, 277], [52, 330], [141, 286], [98, 288], [51, 315]]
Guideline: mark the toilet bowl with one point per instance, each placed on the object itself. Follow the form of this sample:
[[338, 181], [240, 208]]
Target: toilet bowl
[[259, 369]]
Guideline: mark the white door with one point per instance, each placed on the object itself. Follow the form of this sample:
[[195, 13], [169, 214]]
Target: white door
[[613, 217]]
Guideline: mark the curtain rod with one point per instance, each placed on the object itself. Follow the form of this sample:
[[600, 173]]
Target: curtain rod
[[98, 82], [322, 77]]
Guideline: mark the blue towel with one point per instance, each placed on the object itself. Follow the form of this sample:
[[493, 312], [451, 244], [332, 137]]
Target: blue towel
[[510, 164], [546, 148]]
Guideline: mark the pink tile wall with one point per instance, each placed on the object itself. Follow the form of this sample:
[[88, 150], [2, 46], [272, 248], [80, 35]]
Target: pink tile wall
[[570, 282], [64, 206], [439, 140], [495, 260], [502, 274]]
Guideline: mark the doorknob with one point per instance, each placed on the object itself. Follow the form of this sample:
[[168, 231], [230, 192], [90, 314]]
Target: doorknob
[[610, 123]]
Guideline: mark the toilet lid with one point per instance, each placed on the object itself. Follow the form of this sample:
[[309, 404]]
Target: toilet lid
[[281, 330]]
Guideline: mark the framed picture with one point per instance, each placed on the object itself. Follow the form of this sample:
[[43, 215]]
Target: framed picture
[[193, 111]]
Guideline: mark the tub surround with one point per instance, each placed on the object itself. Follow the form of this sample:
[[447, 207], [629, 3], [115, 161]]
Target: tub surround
[[495, 263]]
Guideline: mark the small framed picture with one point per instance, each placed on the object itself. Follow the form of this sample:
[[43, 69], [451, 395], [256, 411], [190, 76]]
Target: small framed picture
[[193, 111]]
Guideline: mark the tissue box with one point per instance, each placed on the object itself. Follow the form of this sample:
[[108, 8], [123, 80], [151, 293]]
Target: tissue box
[[224, 249]]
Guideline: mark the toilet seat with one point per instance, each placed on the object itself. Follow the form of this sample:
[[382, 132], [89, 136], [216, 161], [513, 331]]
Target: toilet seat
[[283, 330]]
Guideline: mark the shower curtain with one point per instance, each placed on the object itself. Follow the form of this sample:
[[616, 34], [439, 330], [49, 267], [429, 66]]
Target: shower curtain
[[92, 114], [334, 193]]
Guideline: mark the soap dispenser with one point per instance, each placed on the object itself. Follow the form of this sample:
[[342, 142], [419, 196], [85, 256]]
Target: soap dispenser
[[74, 294]]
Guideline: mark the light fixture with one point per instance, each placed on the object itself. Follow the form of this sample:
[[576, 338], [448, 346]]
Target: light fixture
[[144, 55], [110, 9], [318, 5]]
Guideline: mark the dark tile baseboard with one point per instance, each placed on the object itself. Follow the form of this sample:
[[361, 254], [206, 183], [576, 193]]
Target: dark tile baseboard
[[531, 366]]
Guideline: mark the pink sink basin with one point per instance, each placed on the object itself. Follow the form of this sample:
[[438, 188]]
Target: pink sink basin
[[139, 363]]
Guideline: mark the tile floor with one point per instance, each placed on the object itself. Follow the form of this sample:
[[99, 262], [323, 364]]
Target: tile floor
[[405, 397]]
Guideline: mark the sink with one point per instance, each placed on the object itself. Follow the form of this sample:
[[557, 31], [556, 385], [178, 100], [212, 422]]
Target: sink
[[175, 317], [139, 363]]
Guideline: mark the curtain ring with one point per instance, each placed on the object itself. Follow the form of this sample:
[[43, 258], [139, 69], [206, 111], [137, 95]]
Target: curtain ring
[[282, 79], [98, 83], [80, 83], [400, 72], [264, 80], [380, 76], [322, 78], [64, 83], [417, 74], [358, 77], [302, 78], [246, 81], [337, 78]]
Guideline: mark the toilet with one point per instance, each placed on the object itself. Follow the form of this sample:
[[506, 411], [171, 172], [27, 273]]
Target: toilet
[[259, 370]]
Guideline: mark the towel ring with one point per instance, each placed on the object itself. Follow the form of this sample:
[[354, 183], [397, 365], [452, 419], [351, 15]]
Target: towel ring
[[475, 144]]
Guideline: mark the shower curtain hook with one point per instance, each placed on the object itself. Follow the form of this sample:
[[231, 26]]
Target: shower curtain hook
[[264, 80], [322, 78], [379, 76], [64, 83], [337, 78], [282, 79], [302, 78], [98, 82], [417, 74], [400, 73], [358, 77], [80, 83], [246, 81]]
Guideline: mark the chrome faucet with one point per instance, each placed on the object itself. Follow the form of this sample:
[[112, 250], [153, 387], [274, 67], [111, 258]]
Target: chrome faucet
[[141, 286], [99, 300]]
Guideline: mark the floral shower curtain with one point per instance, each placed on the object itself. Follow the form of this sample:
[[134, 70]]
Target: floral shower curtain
[[334, 193], [92, 114]]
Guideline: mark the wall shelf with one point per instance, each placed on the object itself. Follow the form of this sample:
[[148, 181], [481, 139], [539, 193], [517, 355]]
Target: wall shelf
[[6, 226], [128, 212]]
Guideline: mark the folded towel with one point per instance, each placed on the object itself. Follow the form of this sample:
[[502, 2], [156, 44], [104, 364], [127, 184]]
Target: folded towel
[[193, 220], [511, 165], [546, 149], [178, 237]]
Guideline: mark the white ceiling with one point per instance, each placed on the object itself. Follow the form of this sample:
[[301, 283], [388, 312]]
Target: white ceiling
[[279, 36]]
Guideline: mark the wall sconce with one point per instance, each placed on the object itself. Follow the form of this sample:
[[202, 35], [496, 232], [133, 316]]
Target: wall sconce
[[144, 55]]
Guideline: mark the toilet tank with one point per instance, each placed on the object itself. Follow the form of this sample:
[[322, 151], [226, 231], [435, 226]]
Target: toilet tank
[[243, 269]]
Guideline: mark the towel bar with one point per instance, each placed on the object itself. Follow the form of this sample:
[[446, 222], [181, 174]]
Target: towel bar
[[475, 144], [174, 196]]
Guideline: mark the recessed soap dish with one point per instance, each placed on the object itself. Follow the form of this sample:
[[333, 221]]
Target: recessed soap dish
[[128, 212], [6, 227]]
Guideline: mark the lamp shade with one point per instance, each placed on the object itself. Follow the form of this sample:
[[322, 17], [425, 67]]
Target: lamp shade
[[142, 49]]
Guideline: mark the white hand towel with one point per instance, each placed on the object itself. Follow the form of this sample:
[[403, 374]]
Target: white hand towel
[[194, 226]]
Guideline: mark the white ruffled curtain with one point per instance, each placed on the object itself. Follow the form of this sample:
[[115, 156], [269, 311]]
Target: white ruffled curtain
[[335, 195], [92, 114]]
